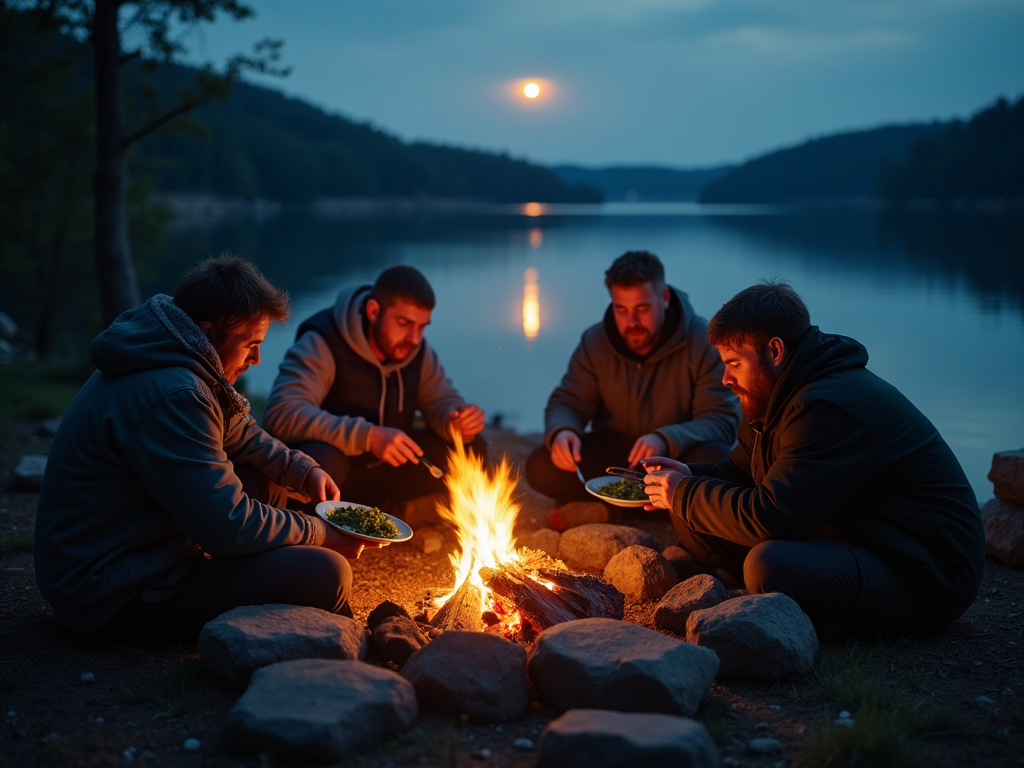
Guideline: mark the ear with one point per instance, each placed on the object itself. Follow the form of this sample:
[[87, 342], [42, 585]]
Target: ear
[[776, 352], [372, 310], [206, 327], [666, 296]]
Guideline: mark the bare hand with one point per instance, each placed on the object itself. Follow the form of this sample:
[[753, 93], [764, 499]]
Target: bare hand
[[469, 420], [654, 463], [662, 480], [647, 446], [320, 486], [393, 446], [565, 450], [348, 547]]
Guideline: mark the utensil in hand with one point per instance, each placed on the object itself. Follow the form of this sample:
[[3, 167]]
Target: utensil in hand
[[580, 475], [435, 471], [630, 474]]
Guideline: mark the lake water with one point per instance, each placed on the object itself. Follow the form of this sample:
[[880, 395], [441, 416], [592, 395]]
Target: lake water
[[938, 299]]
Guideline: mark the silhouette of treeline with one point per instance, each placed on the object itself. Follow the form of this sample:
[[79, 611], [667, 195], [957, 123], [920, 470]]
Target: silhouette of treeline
[[649, 183], [980, 159], [262, 144]]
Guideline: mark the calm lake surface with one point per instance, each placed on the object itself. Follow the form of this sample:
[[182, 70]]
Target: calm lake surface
[[938, 299]]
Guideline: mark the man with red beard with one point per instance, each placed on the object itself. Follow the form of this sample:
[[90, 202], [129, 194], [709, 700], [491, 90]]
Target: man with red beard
[[840, 493]]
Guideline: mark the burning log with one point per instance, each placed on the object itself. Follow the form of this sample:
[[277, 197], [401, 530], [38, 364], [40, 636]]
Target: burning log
[[462, 611]]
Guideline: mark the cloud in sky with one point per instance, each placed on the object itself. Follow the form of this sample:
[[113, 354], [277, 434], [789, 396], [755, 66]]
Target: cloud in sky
[[681, 82]]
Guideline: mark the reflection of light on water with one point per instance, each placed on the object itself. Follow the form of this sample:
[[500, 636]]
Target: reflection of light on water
[[533, 209], [531, 304], [536, 238]]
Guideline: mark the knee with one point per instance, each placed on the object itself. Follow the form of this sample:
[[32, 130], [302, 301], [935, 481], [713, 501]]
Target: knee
[[329, 577], [765, 568]]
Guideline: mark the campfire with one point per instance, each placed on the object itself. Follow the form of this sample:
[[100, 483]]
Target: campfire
[[513, 592]]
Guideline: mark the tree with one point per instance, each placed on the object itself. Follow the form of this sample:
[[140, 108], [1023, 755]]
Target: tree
[[158, 23]]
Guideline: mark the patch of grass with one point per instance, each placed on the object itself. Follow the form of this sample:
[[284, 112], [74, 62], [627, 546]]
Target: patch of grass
[[177, 691], [715, 714], [38, 390], [849, 676], [21, 542]]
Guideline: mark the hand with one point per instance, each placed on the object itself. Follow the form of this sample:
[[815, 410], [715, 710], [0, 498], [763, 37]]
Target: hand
[[654, 463], [393, 446], [469, 420], [320, 486], [647, 446], [565, 450], [661, 486], [347, 546]]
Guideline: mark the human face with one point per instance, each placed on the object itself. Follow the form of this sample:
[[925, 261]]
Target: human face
[[395, 331], [639, 312], [752, 376], [238, 350]]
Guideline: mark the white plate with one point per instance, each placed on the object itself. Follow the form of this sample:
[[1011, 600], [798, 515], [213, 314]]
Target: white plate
[[404, 531], [597, 482]]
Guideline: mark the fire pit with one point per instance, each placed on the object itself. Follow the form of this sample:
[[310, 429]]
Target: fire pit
[[516, 593]]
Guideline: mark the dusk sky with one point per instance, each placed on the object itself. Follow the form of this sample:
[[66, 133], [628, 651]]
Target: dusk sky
[[667, 82]]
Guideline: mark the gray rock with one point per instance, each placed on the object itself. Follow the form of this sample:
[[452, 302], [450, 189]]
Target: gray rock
[[764, 746], [471, 673], [757, 637], [1004, 531], [28, 475], [608, 664], [385, 610], [317, 709], [237, 643], [8, 328], [1007, 476], [592, 546], [694, 594], [49, 427], [396, 639], [640, 573], [543, 540], [589, 738], [983, 701]]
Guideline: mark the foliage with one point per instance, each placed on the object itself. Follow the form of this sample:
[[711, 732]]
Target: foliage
[[171, 693], [19, 542], [37, 390], [983, 158]]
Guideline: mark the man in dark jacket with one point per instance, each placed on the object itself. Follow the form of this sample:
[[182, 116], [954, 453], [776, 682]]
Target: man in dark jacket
[[145, 529], [840, 493], [645, 379], [349, 388]]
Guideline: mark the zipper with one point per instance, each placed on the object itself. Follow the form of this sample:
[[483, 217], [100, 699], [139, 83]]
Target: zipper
[[755, 453]]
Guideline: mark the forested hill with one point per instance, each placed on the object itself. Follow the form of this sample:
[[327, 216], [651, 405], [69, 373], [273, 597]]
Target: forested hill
[[262, 144], [647, 183], [842, 167]]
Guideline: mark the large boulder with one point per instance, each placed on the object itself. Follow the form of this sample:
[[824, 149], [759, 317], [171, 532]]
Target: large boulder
[[543, 540], [577, 513], [237, 643], [590, 738], [315, 709], [640, 573], [608, 664], [590, 547], [396, 639], [694, 594], [757, 637], [1007, 475], [471, 673], [1004, 531]]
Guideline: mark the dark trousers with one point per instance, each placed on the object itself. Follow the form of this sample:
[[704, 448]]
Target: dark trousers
[[832, 581], [365, 479], [296, 575], [599, 450]]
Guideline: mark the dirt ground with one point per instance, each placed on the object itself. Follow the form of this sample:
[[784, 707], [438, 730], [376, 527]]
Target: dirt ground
[[145, 702]]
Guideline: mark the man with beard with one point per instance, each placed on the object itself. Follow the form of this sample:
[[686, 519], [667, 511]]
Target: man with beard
[[349, 388], [840, 493], [645, 379]]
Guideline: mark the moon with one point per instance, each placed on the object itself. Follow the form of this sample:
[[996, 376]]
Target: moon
[[531, 90]]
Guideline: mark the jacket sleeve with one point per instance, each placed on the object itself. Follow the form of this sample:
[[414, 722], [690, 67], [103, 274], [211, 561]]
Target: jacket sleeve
[[294, 411], [177, 453], [575, 401], [247, 443], [735, 469], [824, 460], [714, 409], [436, 396]]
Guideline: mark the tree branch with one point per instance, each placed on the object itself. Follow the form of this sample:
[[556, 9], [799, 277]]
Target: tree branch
[[159, 122]]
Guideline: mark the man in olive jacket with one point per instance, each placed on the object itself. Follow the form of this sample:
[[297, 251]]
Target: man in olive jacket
[[145, 529], [645, 380], [840, 493]]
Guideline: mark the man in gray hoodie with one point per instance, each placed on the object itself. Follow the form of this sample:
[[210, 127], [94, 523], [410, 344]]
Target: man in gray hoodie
[[145, 529], [645, 379], [349, 389]]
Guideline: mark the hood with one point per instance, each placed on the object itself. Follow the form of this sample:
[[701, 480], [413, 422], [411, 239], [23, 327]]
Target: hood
[[674, 333], [816, 356], [158, 334]]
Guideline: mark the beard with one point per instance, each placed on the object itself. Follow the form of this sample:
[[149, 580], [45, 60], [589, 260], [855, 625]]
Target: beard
[[395, 352], [639, 339], [754, 401]]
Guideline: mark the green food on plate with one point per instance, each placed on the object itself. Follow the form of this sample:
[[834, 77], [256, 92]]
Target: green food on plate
[[627, 490], [368, 521]]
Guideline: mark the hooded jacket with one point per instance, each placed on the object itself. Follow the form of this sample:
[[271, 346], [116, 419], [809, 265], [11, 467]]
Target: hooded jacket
[[140, 480], [676, 391], [311, 401], [842, 454]]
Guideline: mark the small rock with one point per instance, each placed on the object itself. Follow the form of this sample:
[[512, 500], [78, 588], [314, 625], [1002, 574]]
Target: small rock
[[50, 738], [28, 475], [428, 539], [1004, 531], [396, 639], [385, 610], [8, 328], [590, 547], [88, 677], [694, 594], [983, 701], [1007, 476], [482, 754], [543, 540], [14, 570], [845, 715], [640, 573], [775, 707], [191, 745], [100, 720], [524, 744], [1008, 692], [764, 746], [49, 427], [577, 513], [422, 511]]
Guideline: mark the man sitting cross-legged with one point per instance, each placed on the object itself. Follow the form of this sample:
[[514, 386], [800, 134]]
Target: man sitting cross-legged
[[350, 386], [840, 494], [145, 529]]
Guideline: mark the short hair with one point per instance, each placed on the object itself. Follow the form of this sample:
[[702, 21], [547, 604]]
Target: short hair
[[230, 292], [405, 283], [635, 268], [758, 314]]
